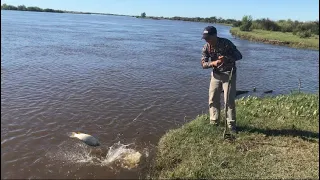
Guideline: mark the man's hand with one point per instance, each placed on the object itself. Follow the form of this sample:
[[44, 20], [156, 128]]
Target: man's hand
[[222, 58], [204, 64], [218, 62]]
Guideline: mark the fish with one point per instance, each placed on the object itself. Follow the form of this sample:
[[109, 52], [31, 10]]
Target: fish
[[266, 92], [86, 138], [238, 92]]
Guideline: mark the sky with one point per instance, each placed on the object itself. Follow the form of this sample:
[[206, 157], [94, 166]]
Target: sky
[[301, 10]]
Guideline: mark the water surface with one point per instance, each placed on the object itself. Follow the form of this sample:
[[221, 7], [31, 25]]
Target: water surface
[[120, 79]]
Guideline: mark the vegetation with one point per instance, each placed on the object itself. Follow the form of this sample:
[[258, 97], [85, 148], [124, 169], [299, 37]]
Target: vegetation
[[278, 139], [278, 38], [143, 15], [246, 23], [212, 19], [283, 32], [31, 8], [37, 9], [302, 29]]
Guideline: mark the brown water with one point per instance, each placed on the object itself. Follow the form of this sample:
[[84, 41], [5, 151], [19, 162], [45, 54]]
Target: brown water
[[120, 79]]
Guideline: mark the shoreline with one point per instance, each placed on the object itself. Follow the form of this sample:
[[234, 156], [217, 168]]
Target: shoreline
[[277, 38]]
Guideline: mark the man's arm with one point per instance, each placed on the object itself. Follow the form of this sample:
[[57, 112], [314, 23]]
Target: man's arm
[[232, 53], [205, 57]]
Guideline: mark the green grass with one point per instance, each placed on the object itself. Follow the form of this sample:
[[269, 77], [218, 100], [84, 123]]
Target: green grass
[[280, 38], [278, 138]]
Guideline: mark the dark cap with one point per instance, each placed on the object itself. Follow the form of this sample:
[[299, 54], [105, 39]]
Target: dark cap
[[209, 31]]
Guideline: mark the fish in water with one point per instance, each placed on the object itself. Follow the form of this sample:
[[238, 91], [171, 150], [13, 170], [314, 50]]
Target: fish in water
[[238, 92], [86, 138], [270, 91]]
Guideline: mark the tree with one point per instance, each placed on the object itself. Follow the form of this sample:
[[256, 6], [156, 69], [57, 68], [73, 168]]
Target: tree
[[22, 8], [8, 7], [48, 10], [213, 19], [143, 14], [34, 8], [246, 23]]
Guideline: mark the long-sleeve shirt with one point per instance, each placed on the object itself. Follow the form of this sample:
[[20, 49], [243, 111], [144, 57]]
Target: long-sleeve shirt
[[223, 47]]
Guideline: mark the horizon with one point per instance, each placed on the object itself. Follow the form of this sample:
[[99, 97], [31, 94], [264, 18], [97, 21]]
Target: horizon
[[282, 11]]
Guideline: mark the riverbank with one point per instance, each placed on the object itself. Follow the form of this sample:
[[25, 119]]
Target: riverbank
[[178, 19], [278, 138], [277, 38]]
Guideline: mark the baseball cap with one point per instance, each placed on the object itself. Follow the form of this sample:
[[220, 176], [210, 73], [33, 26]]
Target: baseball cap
[[208, 31]]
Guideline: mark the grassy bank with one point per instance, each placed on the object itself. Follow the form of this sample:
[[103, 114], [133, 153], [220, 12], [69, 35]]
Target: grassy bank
[[278, 38], [278, 138]]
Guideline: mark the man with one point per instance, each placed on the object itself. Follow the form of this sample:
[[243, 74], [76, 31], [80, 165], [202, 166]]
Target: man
[[223, 55]]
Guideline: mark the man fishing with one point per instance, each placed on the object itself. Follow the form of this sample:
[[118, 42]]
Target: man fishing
[[223, 55]]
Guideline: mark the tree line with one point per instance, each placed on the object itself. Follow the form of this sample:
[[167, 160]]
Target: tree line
[[212, 19], [302, 29], [31, 8]]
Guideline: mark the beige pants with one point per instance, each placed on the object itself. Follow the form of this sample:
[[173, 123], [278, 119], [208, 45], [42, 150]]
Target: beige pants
[[218, 80]]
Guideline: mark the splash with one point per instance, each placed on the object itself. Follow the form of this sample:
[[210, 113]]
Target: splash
[[78, 153], [116, 155], [121, 154]]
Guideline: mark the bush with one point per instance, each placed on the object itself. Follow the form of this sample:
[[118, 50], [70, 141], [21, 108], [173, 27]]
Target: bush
[[236, 24], [230, 21], [48, 10], [34, 8], [312, 26], [246, 23], [266, 24], [305, 34], [8, 7], [286, 26], [22, 8], [143, 14]]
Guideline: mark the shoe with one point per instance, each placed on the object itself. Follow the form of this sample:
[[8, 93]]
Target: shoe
[[233, 130], [215, 123]]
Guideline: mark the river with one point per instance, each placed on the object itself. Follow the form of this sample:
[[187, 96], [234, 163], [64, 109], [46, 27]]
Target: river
[[121, 79]]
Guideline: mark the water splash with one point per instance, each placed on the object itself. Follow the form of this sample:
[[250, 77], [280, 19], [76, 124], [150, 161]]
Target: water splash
[[122, 155], [118, 154]]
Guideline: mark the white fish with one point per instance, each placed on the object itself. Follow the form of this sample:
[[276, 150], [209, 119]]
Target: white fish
[[86, 138]]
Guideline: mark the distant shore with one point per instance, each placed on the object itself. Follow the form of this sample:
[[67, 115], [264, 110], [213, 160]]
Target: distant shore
[[147, 17], [277, 38], [63, 11], [213, 19]]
